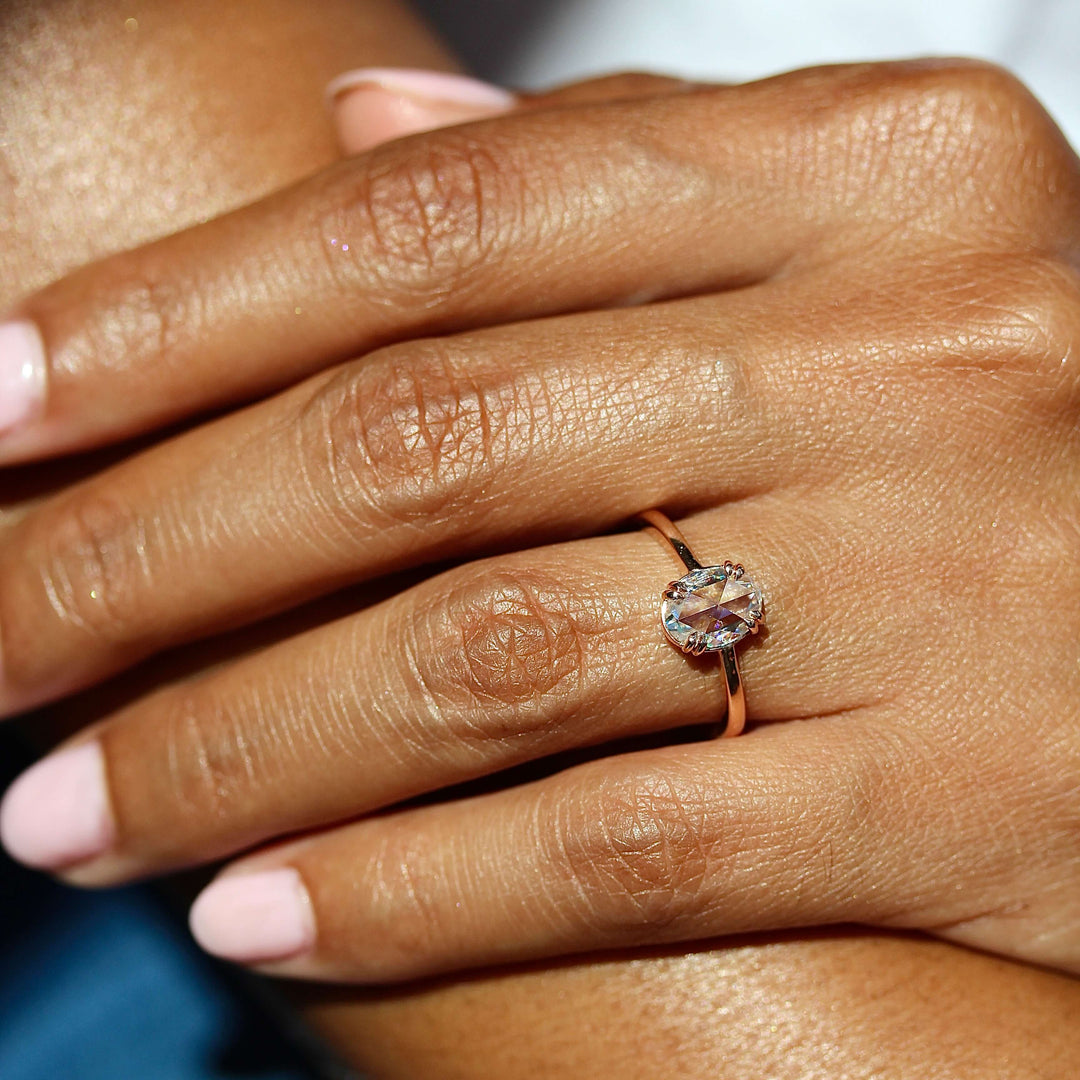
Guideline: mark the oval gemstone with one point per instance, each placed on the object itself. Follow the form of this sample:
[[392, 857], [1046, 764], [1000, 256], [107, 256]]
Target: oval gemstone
[[710, 609]]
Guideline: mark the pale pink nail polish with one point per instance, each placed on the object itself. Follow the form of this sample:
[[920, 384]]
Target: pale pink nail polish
[[57, 813], [255, 918], [375, 105], [22, 373], [435, 86]]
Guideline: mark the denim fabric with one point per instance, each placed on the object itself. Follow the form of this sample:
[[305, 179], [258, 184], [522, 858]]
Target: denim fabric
[[107, 986]]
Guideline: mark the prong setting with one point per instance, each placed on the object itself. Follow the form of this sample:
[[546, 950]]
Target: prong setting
[[675, 591], [711, 608]]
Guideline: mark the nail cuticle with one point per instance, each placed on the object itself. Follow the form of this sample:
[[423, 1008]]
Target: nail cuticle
[[430, 86]]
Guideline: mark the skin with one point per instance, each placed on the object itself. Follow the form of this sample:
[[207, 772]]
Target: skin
[[869, 477], [1034, 1045], [216, 105], [844, 1004]]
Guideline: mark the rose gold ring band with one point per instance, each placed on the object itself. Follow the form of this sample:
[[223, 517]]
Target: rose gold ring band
[[673, 540]]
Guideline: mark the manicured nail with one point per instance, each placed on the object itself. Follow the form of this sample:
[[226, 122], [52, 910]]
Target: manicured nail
[[22, 374], [254, 918], [57, 813], [375, 105]]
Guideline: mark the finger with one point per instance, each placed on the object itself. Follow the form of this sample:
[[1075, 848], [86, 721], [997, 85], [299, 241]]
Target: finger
[[441, 232], [479, 669], [426, 450], [799, 825]]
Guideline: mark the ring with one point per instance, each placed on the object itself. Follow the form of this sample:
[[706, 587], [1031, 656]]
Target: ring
[[709, 610]]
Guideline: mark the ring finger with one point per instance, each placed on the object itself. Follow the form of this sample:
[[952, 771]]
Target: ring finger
[[481, 668]]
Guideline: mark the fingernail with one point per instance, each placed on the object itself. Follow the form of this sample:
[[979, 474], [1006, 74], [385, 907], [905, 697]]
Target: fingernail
[[57, 813], [22, 373], [375, 105], [254, 918]]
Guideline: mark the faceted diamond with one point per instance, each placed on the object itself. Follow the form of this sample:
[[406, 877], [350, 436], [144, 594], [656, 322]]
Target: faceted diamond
[[710, 609]]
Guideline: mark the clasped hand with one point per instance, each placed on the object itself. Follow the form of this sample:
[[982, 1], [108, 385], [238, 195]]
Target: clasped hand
[[829, 321]]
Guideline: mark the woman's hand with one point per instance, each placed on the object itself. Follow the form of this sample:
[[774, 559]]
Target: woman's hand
[[867, 394]]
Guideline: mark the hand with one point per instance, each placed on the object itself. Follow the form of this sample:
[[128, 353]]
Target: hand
[[867, 395]]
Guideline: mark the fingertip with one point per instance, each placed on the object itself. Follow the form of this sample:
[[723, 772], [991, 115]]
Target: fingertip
[[263, 917], [57, 813], [369, 116], [432, 86], [23, 377], [375, 105]]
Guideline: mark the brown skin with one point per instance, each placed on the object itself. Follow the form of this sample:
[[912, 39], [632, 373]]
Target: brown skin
[[854, 1005], [94, 112], [890, 445], [850, 1004]]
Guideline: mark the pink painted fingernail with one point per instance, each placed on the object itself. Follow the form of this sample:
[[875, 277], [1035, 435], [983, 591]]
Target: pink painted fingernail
[[375, 105], [57, 813], [22, 373], [254, 918]]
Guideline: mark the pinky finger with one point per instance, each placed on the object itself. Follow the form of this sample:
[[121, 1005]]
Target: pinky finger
[[686, 842]]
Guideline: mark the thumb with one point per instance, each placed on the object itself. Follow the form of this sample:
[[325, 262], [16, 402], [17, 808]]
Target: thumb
[[374, 105]]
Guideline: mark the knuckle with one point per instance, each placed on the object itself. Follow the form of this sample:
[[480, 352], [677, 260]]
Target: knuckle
[[409, 436], [972, 137], [1016, 319], [1032, 330], [640, 850], [429, 215], [205, 756], [508, 648], [92, 568], [148, 309], [403, 901], [974, 105], [967, 85], [1041, 317]]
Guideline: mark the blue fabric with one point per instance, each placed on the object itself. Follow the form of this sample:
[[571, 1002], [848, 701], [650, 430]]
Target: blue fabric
[[106, 986]]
